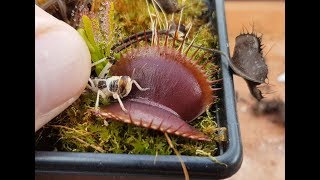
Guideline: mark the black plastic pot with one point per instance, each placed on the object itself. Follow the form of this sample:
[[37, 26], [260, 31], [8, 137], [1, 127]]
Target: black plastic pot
[[64, 165]]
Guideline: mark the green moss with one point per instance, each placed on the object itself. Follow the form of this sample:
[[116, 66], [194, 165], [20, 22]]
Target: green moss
[[131, 16], [83, 132], [77, 130]]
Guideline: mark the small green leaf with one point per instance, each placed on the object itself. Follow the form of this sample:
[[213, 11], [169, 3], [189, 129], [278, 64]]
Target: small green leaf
[[84, 36]]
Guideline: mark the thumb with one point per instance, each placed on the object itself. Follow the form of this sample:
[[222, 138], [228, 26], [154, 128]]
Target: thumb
[[62, 66]]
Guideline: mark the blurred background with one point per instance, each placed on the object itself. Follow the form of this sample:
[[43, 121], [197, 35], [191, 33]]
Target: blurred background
[[262, 124]]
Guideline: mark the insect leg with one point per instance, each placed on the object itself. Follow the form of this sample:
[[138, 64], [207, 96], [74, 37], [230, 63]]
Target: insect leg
[[92, 87], [98, 62], [116, 96], [91, 83], [139, 87], [105, 70], [97, 100]]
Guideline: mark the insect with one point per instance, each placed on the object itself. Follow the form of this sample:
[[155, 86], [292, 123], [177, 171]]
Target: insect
[[116, 86]]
